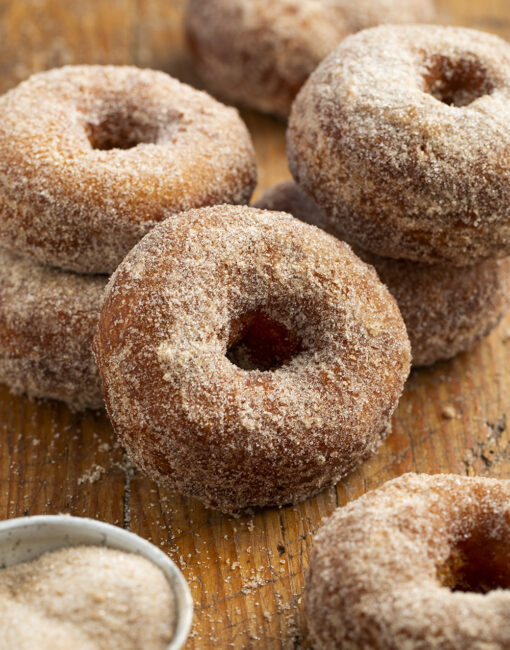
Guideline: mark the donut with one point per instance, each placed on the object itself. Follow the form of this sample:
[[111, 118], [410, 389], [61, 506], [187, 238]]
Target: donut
[[48, 318], [289, 197], [260, 52], [286, 196], [446, 309], [248, 359], [91, 157], [402, 137], [422, 562]]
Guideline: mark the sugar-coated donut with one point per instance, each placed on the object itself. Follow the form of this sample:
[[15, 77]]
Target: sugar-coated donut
[[421, 563], [402, 136], [289, 197], [247, 358], [260, 52], [48, 318], [446, 309], [91, 157]]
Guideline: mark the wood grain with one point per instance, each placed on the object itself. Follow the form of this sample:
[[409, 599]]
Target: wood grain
[[246, 574]]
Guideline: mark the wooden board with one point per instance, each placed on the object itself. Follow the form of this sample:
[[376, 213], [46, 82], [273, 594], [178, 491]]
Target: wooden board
[[246, 574]]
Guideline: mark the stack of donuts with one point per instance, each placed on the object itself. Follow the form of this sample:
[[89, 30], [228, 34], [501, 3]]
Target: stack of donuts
[[234, 340], [400, 137], [230, 340], [91, 158], [248, 358]]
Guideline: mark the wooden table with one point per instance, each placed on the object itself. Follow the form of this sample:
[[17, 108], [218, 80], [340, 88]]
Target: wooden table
[[246, 575]]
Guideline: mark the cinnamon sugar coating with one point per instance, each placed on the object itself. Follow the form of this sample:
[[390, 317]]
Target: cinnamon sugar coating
[[402, 137], [92, 157], [289, 197], [248, 359], [260, 52], [446, 309], [421, 563], [48, 318]]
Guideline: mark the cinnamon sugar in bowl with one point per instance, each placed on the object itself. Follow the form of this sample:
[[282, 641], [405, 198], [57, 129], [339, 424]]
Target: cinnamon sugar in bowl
[[88, 583]]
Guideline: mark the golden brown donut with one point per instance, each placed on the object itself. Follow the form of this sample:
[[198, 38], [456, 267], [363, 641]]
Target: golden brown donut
[[247, 358], [402, 137], [421, 563], [48, 318], [446, 309], [260, 52], [91, 157]]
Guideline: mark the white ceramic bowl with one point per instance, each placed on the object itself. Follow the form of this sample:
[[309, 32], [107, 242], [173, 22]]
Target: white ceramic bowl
[[26, 538]]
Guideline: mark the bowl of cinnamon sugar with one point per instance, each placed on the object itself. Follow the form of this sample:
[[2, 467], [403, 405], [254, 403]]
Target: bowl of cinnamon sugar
[[71, 582]]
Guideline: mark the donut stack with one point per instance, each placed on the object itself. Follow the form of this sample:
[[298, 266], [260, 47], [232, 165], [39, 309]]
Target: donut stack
[[91, 158], [401, 138]]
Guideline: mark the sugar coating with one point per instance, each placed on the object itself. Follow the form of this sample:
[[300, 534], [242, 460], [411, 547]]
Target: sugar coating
[[48, 318], [73, 197], [86, 598], [260, 52], [401, 172], [288, 197], [237, 438], [446, 309], [375, 571]]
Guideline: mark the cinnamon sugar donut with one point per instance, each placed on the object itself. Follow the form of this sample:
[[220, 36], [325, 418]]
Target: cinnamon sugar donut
[[47, 321], [260, 52], [91, 157], [247, 358], [289, 197], [423, 562], [402, 136], [446, 309]]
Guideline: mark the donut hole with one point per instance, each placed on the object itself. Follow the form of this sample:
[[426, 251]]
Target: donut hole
[[121, 130], [258, 342], [457, 83], [477, 564]]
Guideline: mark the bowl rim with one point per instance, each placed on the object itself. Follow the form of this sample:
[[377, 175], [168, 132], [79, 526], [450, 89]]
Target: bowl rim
[[112, 534]]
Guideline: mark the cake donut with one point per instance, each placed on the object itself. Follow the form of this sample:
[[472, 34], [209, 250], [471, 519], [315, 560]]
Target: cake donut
[[48, 318], [446, 309], [422, 562], [248, 359], [91, 157], [402, 137], [260, 52]]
